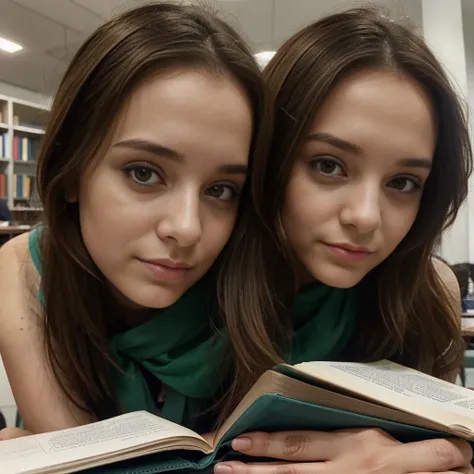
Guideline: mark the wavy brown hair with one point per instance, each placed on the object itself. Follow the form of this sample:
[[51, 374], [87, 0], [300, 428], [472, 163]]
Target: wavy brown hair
[[108, 67], [406, 312]]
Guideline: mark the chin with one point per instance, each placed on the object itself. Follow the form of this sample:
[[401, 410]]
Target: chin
[[338, 277], [154, 297]]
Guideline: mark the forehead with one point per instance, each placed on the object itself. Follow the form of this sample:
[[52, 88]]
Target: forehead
[[198, 114], [380, 109], [178, 97]]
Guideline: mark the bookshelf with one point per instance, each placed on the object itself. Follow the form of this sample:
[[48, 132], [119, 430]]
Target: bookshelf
[[22, 126]]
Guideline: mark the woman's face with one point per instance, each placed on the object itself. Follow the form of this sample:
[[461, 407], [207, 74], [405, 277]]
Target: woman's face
[[356, 185], [160, 205]]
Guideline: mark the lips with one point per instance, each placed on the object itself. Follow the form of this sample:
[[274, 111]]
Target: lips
[[165, 270], [350, 248], [348, 253], [168, 263]]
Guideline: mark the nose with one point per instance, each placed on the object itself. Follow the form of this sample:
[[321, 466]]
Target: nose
[[181, 221], [362, 207]]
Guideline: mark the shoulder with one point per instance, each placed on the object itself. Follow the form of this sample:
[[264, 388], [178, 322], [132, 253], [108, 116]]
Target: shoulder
[[15, 259], [20, 281], [13, 256], [449, 281]]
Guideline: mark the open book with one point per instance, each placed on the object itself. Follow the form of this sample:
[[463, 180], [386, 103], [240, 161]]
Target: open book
[[313, 395]]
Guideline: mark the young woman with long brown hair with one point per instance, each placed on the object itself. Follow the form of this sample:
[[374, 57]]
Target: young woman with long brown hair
[[105, 308], [369, 164]]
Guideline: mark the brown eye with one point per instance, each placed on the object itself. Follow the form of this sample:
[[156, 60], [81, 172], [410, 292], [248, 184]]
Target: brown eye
[[223, 192], [404, 184], [327, 167], [143, 174]]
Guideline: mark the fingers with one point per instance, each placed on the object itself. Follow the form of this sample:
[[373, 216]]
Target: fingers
[[369, 448], [312, 445], [12, 433], [289, 445], [433, 455], [236, 467]]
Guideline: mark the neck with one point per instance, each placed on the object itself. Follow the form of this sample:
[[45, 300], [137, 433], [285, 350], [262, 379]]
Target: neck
[[130, 313], [133, 318], [303, 277]]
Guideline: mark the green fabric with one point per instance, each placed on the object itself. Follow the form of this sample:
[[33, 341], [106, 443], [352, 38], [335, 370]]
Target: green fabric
[[180, 349], [34, 247], [33, 244], [324, 319]]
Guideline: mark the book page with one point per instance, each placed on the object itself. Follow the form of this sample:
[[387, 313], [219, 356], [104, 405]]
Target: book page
[[399, 387], [125, 432]]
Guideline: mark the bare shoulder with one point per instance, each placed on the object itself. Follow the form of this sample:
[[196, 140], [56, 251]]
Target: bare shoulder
[[446, 275], [13, 250], [18, 274], [42, 404], [19, 307]]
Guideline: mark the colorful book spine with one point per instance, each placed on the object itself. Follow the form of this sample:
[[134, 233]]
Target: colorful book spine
[[24, 148], [4, 145], [22, 186], [3, 185]]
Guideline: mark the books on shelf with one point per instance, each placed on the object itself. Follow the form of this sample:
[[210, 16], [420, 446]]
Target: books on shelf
[[323, 396], [22, 186], [4, 145], [3, 185], [24, 148]]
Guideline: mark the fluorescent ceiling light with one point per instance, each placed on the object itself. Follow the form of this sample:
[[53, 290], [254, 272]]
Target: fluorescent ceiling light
[[263, 58], [9, 46]]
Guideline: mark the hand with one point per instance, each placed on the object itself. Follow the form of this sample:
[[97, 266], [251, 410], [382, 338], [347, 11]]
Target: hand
[[12, 433], [359, 451]]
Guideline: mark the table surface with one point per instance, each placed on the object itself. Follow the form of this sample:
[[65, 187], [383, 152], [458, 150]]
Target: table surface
[[14, 229]]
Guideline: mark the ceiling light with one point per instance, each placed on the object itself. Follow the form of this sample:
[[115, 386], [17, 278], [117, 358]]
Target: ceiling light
[[264, 57], [9, 46]]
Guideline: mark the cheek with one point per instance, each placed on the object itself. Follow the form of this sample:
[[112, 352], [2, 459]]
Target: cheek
[[107, 215], [397, 223], [305, 207], [106, 201], [216, 233]]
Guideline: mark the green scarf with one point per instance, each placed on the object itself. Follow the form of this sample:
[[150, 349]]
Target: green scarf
[[179, 348]]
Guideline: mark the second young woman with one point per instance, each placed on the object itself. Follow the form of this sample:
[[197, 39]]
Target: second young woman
[[369, 164]]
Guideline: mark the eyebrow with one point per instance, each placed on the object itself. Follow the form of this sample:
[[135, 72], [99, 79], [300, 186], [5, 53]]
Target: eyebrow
[[357, 150], [166, 152], [335, 141]]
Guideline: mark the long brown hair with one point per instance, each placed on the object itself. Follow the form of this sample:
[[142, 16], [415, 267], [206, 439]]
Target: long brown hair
[[407, 315], [107, 68]]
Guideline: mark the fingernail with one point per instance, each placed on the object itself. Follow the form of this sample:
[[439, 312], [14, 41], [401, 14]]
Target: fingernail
[[241, 444], [222, 469]]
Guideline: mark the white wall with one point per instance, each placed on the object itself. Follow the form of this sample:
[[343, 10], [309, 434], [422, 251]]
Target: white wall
[[24, 94]]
